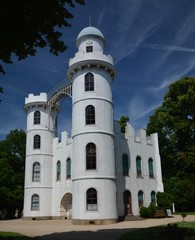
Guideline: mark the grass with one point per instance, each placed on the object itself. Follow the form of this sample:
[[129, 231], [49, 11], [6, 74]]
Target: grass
[[13, 236], [180, 231], [187, 213]]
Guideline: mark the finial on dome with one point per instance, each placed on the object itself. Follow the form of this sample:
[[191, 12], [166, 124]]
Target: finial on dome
[[89, 21]]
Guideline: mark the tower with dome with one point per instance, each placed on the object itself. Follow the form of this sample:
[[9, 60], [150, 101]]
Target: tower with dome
[[98, 174]]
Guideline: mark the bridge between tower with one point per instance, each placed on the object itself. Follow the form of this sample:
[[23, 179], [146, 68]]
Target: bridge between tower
[[63, 89]]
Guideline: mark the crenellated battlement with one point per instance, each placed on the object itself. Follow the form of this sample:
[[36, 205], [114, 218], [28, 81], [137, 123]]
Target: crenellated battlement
[[42, 97], [140, 137]]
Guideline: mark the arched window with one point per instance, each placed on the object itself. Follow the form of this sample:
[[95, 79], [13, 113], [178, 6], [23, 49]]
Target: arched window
[[125, 165], [36, 172], [68, 168], [58, 171], [140, 199], [35, 202], [37, 142], [89, 115], [37, 117], [91, 199], [90, 156], [153, 197], [89, 82], [150, 167], [138, 166]]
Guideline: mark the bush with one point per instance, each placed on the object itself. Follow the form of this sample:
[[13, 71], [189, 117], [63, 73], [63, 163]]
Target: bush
[[144, 213], [164, 200], [148, 212]]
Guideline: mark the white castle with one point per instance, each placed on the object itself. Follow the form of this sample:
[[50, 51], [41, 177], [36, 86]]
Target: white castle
[[99, 173]]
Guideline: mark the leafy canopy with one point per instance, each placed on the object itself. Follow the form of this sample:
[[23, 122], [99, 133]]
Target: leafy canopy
[[123, 122], [12, 161], [28, 24], [174, 121]]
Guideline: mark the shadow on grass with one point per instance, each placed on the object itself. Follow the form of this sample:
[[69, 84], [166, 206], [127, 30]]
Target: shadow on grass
[[169, 232], [106, 234]]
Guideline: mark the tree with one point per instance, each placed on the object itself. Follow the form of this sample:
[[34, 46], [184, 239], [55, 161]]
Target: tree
[[28, 24], [12, 161], [183, 192], [123, 122], [174, 121], [164, 200]]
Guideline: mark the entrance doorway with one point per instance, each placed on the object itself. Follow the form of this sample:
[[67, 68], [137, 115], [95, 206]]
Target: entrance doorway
[[66, 206], [127, 203]]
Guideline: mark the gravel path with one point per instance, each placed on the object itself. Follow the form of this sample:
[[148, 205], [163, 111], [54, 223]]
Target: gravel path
[[64, 229]]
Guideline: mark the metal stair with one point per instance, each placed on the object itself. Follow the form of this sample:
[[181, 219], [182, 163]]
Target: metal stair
[[61, 90]]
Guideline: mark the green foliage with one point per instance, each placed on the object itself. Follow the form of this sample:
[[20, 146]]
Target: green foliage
[[183, 192], [144, 213], [184, 215], [12, 161], [123, 122], [174, 121], [13, 236], [28, 24], [164, 200], [148, 212]]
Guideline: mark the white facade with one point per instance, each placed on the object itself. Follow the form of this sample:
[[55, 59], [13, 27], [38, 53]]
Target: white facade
[[98, 174]]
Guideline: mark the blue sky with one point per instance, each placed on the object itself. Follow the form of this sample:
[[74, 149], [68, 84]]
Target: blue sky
[[152, 43]]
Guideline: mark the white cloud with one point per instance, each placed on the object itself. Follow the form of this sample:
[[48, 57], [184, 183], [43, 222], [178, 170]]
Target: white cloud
[[173, 76], [167, 47], [128, 35], [182, 35], [14, 90], [138, 107]]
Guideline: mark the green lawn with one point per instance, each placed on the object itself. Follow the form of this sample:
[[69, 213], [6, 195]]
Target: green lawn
[[187, 213], [181, 231], [13, 236]]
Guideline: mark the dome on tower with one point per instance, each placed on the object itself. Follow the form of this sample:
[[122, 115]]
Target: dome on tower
[[90, 31]]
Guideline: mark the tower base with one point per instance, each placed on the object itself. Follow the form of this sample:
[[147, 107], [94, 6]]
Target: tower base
[[93, 221]]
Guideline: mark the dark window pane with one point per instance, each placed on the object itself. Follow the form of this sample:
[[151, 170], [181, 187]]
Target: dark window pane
[[90, 115]]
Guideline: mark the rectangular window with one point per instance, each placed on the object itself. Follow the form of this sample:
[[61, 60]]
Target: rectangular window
[[138, 166], [68, 168], [89, 49]]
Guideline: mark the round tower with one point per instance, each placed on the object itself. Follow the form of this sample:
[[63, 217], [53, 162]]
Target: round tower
[[41, 129], [93, 169]]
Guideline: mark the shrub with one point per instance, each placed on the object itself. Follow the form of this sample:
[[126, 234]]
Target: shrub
[[144, 212], [148, 212]]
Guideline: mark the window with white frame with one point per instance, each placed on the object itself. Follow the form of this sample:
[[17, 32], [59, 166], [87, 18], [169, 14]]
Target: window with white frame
[[91, 199], [36, 172], [35, 202]]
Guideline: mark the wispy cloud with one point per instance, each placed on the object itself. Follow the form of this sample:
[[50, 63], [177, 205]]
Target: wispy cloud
[[131, 28], [182, 35], [101, 17], [41, 65], [167, 47], [12, 89], [138, 107], [172, 76]]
